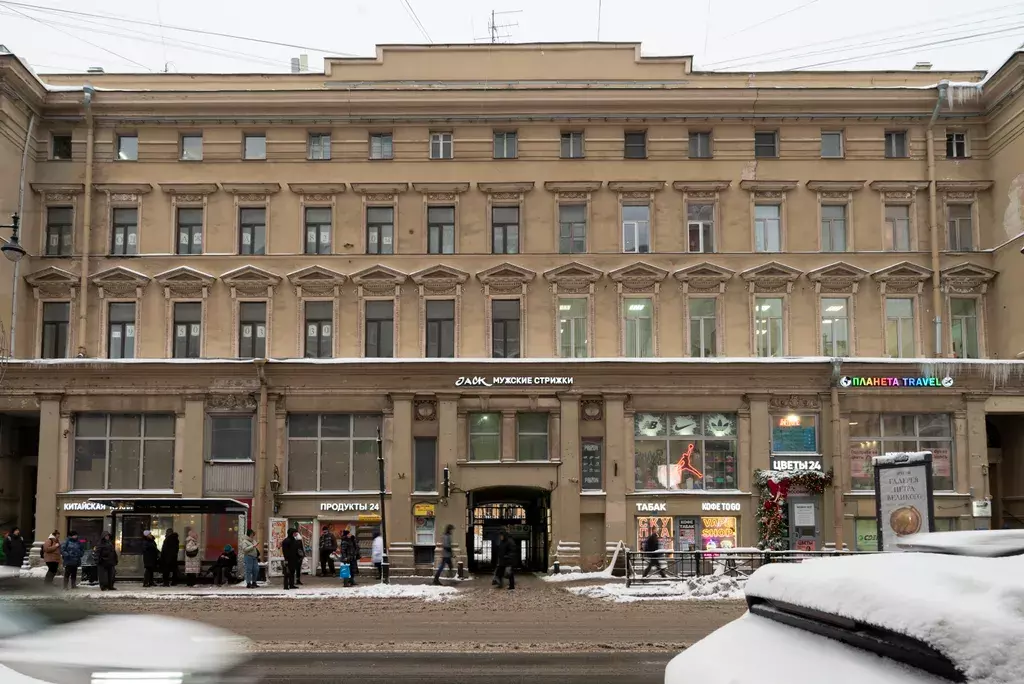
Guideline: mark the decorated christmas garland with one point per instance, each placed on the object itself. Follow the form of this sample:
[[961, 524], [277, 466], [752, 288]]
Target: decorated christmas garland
[[772, 511]]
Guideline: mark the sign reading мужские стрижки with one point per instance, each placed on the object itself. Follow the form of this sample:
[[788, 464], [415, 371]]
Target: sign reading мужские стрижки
[[846, 381]]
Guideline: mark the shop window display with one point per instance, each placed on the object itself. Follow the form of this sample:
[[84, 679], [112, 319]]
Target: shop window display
[[685, 451], [363, 532], [661, 524], [873, 434]]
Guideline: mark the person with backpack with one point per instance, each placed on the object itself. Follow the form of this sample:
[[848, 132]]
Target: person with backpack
[[51, 555], [71, 552], [192, 560]]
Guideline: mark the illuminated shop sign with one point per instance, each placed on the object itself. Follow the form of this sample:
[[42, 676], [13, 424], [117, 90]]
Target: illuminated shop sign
[[512, 381], [84, 506], [849, 381], [788, 463], [651, 507], [719, 506], [347, 507]]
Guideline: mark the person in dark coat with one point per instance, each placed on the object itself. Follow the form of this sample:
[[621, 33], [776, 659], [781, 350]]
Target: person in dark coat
[[328, 545], [290, 548], [506, 553], [652, 547], [150, 557], [225, 566], [169, 558], [106, 561], [71, 552], [349, 555], [14, 549], [446, 554]]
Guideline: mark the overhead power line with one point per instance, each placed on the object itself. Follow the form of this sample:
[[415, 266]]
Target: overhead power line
[[772, 18], [416, 20]]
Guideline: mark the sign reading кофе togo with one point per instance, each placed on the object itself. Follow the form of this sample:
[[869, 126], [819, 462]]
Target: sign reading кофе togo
[[512, 381]]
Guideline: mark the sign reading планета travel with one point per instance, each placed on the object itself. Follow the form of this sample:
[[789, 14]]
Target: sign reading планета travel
[[512, 381], [849, 381]]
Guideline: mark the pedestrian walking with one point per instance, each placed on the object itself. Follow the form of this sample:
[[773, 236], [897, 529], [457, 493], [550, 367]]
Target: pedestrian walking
[[14, 549], [71, 552], [251, 558], [446, 553], [290, 547], [51, 556], [349, 556], [106, 561], [507, 552], [169, 558], [150, 558], [192, 559], [328, 545], [377, 554], [652, 548], [300, 550]]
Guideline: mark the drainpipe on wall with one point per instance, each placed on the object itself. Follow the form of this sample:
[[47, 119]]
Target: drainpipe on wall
[[21, 212], [83, 288], [933, 220], [837, 454], [259, 517]]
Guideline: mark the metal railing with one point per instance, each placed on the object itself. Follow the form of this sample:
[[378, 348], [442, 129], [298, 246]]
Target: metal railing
[[643, 566]]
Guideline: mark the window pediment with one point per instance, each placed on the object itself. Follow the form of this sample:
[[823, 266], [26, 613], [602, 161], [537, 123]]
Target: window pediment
[[124, 192], [703, 277], [440, 188], [317, 188], [638, 277], [573, 277], [844, 187], [506, 278], [379, 192], [769, 188], [439, 280], [837, 277], [58, 192], [570, 187], [902, 277], [251, 281], [198, 191], [513, 188], [315, 281], [771, 277], [378, 280], [896, 191], [251, 188], [966, 279], [184, 282], [53, 283], [120, 282], [963, 186]]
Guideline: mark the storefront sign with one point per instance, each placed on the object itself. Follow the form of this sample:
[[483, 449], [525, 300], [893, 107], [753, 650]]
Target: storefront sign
[[847, 381], [512, 381], [981, 509], [651, 507], [719, 506], [794, 434], [867, 535], [423, 510], [784, 463], [803, 515], [659, 525], [903, 496], [718, 533], [349, 507], [84, 506]]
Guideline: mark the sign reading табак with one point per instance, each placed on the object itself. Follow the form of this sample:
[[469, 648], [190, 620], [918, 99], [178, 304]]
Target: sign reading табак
[[512, 381], [652, 507]]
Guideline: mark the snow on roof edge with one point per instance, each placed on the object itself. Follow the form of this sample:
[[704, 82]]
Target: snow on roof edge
[[908, 457]]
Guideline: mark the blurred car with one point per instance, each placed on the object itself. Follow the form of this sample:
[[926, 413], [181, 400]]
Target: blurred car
[[45, 639], [949, 609]]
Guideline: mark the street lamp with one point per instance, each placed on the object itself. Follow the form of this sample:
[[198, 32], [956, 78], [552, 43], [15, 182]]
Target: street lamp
[[385, 565], [12, 249]]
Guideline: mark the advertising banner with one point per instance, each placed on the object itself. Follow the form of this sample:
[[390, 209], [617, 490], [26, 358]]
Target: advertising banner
[[718, 533], [275, 560], [903, 496], [661, 524]]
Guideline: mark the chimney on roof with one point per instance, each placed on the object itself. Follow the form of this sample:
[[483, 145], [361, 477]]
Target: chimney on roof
[[300, 64], [94, 70], [923, 66]]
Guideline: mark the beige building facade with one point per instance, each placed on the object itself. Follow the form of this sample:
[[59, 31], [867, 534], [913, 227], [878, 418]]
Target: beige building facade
[[599, 291]]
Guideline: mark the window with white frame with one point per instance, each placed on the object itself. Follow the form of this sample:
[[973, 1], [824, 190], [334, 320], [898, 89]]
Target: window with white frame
[[636, 228], [897, 227], [572, 327], [441, 146], [319, 329], [123, 451], [700, 227], [703, 327], [896, 145], [318, 148], [229, 437], [899, 327], [767, 228], [188, 330], [318, 230], [382, 146], [874, 434], [60, 229], [505, 230], [191, 147], [572, 228], [831, 145], [769, 326], [572, 145], [332, 452], [505, 144], [484, 436], [961, 227], [121, 330], [440, 230], [190, 230], [835, 326], [252, 230], [252, 330], [956, 145], [638, 327], [56, 319], [963, 315], [380, 230], [124, 231], [833, 228], [532, 437]]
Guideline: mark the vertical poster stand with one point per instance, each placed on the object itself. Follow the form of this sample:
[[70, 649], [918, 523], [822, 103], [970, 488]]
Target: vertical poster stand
[[275, 561], [904, 501]]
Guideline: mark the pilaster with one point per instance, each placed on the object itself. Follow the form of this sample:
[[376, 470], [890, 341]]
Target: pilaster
[[976, 461], [566, 498], [47, 482], [194, 448], [617, 470]]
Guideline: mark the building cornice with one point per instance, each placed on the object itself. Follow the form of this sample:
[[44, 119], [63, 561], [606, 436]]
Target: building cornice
[[251, 188], [317, 188], [189, 188], [440, 188]]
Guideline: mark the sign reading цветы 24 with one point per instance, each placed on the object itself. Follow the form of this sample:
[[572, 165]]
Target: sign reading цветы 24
[[512, 381]]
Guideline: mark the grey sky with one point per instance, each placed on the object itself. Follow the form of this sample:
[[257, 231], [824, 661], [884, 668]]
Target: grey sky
[[742, 35]]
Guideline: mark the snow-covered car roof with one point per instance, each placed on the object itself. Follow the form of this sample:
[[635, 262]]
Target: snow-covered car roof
[[985, 543], [969, 609]]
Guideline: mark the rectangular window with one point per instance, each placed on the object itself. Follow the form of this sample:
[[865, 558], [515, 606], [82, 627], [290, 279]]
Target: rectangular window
[[124, 231], [440, 329], [188, 329], [766, 144], [127, 148], [231, 437], [685, 451], [964, 327], [121, 330], [638, 327], [532, 437], [768, 326], [190, 230], [795, 434], [191, 148], [635, 145], [442, 146], [767, 228], [506, 145], [833, 228], [700, 227], [700, 145], [60, 147], [572, 145], [899, 327], [636, 229], [897, 227], [831, 145], [505, 230], [380, 230], [956, 145], [254, 146], [835, 326], [60, 229], [505, 332], [56, 317], [485, 437], [319, 147], [873, 434], [382, 146], [318, 230], [440, 230], [896, 144], [319, 330], [961, 232], [333, 452], [424, 467], [703, 327], [572, 228], [252, 230], [572, 327], [252, 330], [126, 452], [380, 329]]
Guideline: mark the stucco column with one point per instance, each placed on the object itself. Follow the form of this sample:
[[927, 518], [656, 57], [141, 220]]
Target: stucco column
[[263, 497], [400, 481], [976, 462], [47, 481], [617, 472], [755, 456], [453, 510], [566, 498], [194, 443]]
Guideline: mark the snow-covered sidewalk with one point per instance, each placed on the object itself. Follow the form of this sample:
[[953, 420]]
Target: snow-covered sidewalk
[[711, 588], [578, 576]]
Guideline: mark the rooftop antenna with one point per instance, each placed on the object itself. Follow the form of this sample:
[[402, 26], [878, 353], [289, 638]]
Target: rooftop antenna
[[494, 29], [599, 21]]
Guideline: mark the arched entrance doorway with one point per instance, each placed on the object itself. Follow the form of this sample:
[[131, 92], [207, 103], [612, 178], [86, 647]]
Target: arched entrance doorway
[[525, 512]]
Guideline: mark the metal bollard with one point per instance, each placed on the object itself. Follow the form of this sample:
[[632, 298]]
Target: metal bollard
[[556, 568], [461, 572], [385, 570]]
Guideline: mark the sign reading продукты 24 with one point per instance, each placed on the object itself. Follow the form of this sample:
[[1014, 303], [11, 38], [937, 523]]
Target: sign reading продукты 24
[[846, 381], [511, 381]]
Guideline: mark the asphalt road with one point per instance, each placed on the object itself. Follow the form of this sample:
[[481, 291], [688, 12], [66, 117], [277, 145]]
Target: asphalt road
[[463, 668]]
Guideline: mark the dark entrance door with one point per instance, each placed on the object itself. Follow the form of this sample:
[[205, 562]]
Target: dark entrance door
[[524, 512]]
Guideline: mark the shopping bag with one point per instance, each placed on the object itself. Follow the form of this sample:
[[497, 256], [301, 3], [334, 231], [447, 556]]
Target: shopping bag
[[345, 572]]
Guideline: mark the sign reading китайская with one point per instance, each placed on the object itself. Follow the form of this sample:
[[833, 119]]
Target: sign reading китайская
[[847, 381]]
